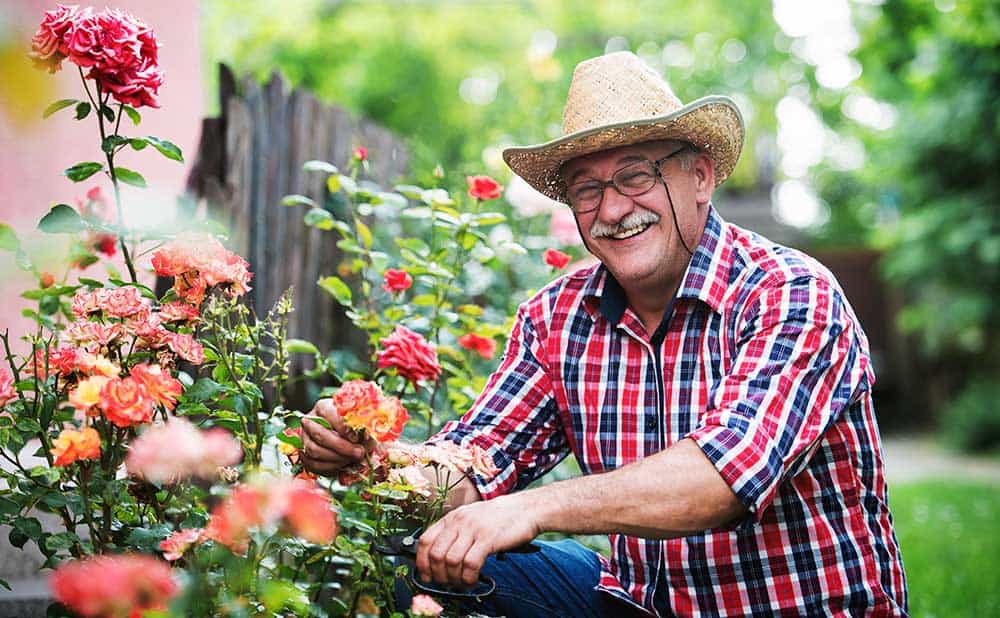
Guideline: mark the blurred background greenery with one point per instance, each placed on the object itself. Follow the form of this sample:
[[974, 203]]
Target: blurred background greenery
[[873, 126]]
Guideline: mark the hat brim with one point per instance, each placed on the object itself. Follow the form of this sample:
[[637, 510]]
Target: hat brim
[[713, 124]]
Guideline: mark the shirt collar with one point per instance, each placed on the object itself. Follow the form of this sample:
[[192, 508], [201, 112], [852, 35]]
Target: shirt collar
[[705, 278]]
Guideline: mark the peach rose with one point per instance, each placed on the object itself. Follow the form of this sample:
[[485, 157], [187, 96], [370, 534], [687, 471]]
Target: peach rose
[[72, 446], [126, 402], [113, 586], [162, 387]]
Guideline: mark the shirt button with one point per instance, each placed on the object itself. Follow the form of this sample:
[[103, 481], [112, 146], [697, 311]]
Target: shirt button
[[650, 424]]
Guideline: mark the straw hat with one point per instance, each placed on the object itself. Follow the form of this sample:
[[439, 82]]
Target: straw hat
[[616, 100]]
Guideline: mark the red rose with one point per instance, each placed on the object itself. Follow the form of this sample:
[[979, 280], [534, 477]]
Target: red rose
[[556, 258], [396, 280], [106, 244], [126, 402], [483, 187], [485, 346], [410, 354], [361, 153], [47, 47]]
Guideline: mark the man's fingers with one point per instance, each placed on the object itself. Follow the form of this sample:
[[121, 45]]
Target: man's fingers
[[324, 408], [475, 557], [330, 440], [438, 552], [455, 559]]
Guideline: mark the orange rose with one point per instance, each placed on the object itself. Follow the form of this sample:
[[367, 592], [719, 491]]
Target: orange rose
[[87, 394], [162, 387], [355, 397], [385, 422], [126, 402], [72, 445]]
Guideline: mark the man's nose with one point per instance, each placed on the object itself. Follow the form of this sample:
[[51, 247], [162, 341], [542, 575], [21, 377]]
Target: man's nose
[[614, 205]]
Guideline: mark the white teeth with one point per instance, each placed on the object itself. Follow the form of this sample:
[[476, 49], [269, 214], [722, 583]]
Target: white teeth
[[630, 232]]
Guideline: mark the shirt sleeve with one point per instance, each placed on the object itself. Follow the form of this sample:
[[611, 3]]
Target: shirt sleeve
[[515, 419], [799, 363]]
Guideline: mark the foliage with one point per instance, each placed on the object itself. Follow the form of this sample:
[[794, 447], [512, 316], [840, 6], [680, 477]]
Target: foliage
[[404, 65], [950, 543], [972, 421], [929, 194]]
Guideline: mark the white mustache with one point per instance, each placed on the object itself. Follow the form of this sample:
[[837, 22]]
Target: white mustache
[[637, 217]]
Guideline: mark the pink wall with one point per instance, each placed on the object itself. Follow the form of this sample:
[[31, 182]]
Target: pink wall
[[34, 152]]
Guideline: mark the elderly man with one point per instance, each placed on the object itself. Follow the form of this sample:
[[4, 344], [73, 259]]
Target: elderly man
[[714, 387]]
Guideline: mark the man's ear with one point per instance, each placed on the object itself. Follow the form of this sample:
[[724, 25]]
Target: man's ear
[[703, 170]]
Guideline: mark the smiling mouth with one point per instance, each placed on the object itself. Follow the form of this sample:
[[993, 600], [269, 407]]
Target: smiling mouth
[[630, 232]]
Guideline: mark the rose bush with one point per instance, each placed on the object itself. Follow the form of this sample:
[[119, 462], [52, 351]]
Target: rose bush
[[156, 428]]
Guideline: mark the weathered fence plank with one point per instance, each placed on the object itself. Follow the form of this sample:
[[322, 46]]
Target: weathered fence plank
[[252, 156]]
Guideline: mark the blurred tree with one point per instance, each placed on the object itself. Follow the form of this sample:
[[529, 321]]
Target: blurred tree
[[929, 193], [461, 80]]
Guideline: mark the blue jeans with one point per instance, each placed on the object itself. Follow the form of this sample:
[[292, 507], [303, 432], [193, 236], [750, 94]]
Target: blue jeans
[[558, 580]]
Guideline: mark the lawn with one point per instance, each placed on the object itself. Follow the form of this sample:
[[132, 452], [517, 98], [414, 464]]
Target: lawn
[[950, 539]]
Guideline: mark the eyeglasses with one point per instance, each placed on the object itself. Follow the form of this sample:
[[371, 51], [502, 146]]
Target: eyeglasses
[[631, 181]]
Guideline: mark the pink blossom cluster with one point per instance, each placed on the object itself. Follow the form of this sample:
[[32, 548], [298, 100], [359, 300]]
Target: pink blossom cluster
[[108, 317], [177, 450], [119, 51], [198, 262]]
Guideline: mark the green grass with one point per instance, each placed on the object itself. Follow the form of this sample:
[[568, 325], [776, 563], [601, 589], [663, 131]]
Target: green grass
[[949, 533]]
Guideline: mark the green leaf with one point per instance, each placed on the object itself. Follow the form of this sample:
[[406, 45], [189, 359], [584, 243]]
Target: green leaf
[[108, 113], [62, 219], [320, 166], [138, 143], [61, 540], [82, 110], [490, 218], [336, 287], [148, 539], [297, 200], [319, 219], [203, 390], [166, 148], [411, 191], [130, 177], [132, 114], [83, 171], [109, 143], [58, 105], [8, 238], [293, 346], [365, 234]]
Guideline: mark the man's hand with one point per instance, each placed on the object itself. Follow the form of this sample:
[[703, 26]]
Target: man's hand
[[453, 550], [327, 451]]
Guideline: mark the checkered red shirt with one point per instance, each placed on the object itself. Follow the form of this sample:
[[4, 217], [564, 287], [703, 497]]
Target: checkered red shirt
[[761, 361]]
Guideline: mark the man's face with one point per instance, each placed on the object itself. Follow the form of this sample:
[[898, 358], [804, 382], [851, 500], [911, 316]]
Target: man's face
[[635, 237]]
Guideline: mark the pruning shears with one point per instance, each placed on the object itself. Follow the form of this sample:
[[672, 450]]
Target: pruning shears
[[404, 545]]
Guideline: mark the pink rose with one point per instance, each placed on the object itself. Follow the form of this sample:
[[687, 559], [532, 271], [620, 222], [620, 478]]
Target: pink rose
[[556, 258], [396, 280], [122, 585], [174, 546], [482, 463], [360, 153], [7, 390], [177, 450], [122, 302], [185, 346], [412, 356], [483, 187], [178, 312], [411, 476], [425, 607]]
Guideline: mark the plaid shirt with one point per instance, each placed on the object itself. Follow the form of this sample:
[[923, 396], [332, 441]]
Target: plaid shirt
[[761, 361]]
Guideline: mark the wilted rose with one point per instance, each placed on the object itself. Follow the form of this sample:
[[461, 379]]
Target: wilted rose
[[412, 356], [484, 187]]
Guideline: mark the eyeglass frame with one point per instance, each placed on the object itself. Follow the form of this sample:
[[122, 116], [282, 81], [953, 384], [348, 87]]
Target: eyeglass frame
[[657, 164]]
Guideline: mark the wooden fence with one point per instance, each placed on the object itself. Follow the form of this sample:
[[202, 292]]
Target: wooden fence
[[250, 157]]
